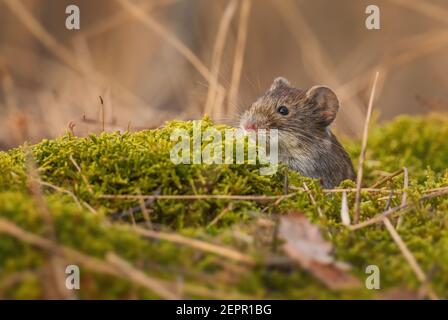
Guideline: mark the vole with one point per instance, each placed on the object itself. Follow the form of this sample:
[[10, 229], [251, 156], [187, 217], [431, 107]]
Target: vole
[[302, 118]]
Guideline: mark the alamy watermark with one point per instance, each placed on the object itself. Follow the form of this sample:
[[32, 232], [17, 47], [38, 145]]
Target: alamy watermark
[[260, 145], [72, 281], [373, 280]]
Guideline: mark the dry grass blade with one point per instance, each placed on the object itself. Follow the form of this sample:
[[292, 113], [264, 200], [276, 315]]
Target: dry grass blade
[[220, 215], [197, 244], [363, 151], [171, 39], [386, 178], [62, 53], [197, 197], [239, 54], [78, 168], [404, 196], [317, 62], [403, 208], [59, 189], [313, 201], [92, 263], [140, 277], [373, 190], [121, 17], [409, 257], [212, 106], [55, 277]]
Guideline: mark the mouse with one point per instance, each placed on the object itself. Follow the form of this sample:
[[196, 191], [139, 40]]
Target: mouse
[[302, 117]]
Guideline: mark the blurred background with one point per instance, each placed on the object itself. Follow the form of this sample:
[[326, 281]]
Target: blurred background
[[157, 60]]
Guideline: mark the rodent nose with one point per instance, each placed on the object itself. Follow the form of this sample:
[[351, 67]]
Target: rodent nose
[[250, 125]]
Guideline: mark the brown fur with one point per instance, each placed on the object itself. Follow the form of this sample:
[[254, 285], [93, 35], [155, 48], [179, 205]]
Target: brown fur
[[306, 143]]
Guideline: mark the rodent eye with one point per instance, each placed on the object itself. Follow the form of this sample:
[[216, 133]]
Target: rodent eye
[[283, 110]]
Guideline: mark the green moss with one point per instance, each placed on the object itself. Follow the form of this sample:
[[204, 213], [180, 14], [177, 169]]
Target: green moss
[[133, 163]]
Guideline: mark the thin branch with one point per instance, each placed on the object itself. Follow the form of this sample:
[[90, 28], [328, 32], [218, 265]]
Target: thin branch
[[78, 168], [373, 190], [409, 257], [404, 196], [59, 189], [405, 207], [197, 197], [171, 39], [224, 25], [386, 178], [121, 17], [55, 277], [240, 49], [140, 277], [195, 243], [362, 155], [313, 201], [93, 263], [62, 53], [220, 215]]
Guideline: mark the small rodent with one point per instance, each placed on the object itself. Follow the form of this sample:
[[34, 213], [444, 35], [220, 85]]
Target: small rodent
[[302, 118]]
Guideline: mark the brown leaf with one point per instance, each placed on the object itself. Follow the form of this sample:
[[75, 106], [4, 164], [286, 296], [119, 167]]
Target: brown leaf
[[305, 245]]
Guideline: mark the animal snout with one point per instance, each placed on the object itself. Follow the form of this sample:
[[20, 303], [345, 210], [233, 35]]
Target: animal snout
[[250, 126]]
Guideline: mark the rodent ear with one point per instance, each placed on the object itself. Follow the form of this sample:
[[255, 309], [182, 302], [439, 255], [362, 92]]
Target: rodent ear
[[279, 82], [325, 101]]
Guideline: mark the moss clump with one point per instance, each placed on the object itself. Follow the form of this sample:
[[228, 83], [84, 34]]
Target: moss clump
[[133, 163]]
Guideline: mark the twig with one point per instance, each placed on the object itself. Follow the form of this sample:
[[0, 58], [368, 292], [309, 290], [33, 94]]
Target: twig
[[62, 53], [220, 215], [286, 181], [346, 190], [59, 189], [409, 257], [313, 201], [197, 244], [140, 277], [171, 39], [145, 213], [221, 36], [280, 199], [71, 127], [404, 196], [363, 150], [55, 284], [122, 17], [379, 217], [102, 113], [78, 168], [240, 48], [386, 178], [89, 262], [197, 197], [143, 205]]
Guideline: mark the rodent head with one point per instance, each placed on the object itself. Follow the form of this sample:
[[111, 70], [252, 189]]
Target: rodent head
[[295, 113]]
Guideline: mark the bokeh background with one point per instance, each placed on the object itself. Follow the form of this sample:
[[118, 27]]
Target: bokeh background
[[157, 60]]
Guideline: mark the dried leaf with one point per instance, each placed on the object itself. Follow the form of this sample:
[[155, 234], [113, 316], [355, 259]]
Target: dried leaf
[[305, 245]]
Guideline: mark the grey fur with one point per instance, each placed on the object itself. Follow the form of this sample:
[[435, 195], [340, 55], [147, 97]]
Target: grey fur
[[306, 142]]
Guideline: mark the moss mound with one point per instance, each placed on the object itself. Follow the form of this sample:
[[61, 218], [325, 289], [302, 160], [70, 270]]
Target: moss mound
[[75, 174]]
